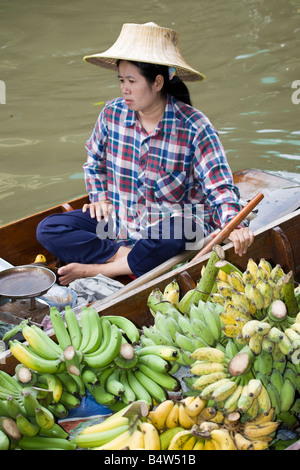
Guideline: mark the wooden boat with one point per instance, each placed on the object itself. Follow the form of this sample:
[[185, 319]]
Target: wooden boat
[[277, 240]]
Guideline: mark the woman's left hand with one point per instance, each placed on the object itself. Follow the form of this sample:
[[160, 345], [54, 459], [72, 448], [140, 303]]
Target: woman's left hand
[[241, 238]]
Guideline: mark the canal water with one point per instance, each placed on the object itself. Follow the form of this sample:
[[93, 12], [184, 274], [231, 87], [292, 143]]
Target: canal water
[[50, 98]]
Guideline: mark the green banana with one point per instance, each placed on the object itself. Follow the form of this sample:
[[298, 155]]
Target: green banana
[[124, 363], [126, 325], [166, 436], [276, 378], [14, 407], [73, 326], [107, 356], [213, 323], [172, 325], [60, 328], [99, 392], [9, 383], [129, 395], [166, 325], [139, 390], [264, 363], [166, 380], [155, 362], [157, 392], [4, 441], [113, 384], [56, 431], [69, 383], [231, 349], [45, 443], [85, 328], [44, 417], [58, 410], [69, 401], [156, 335], [95, 336], [89, 376], [27, 427], [166, 352], [274, 397], [202, 331], [287, 395], [185, 343]]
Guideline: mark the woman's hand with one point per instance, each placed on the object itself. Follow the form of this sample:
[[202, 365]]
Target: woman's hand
[[99, 209], [241, 238]]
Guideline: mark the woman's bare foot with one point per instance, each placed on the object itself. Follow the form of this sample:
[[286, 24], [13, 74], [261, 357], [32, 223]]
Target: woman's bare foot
[[71, 272], [115, 266]]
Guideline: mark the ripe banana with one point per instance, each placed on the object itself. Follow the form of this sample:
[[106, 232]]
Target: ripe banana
[[172, 293], [106, 425], [137, 441], [151, 436], [207, 367], [159, 415], [194, 405], [33, 361], [224, 391], [43, 345], [207, 379], [54, 384], [208, 354], [184, 419], [222, 439], [172, 419]]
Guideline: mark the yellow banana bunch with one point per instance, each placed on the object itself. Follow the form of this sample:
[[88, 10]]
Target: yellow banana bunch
[[172, 414]]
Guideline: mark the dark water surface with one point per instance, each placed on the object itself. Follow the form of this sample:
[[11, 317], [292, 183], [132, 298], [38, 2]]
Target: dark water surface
[[248, 50]]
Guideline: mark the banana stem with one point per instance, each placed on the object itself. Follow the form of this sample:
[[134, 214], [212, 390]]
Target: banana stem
[[241, 363], [289, 294], [208, 279], [227, 267], [72, 360]]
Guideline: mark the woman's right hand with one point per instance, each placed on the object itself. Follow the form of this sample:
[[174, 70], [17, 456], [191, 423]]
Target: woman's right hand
[[99, 209]]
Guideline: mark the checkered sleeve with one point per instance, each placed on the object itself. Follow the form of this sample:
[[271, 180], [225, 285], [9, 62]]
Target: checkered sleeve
[[212, 169], [95, 166]]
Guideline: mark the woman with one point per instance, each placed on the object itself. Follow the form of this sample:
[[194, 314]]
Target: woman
[[156, 172]]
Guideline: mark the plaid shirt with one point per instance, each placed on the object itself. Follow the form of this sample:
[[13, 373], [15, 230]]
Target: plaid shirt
[[181, 162]]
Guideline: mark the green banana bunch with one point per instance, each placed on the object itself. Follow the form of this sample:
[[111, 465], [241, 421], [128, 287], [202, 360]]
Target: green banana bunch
[[186, 332]]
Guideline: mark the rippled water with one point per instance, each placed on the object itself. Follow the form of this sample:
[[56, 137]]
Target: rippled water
[[248, 50]]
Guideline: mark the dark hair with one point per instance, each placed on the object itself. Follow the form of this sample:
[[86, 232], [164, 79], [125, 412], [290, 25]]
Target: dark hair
[[174, 87]]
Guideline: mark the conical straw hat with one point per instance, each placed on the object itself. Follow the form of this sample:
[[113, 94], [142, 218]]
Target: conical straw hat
[[148, 43]]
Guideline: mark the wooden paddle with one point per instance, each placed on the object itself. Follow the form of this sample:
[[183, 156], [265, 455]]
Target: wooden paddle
[[218, 236], [230, 226]]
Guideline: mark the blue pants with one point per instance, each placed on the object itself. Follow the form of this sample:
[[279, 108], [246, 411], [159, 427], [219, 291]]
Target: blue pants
[[72, 237]]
